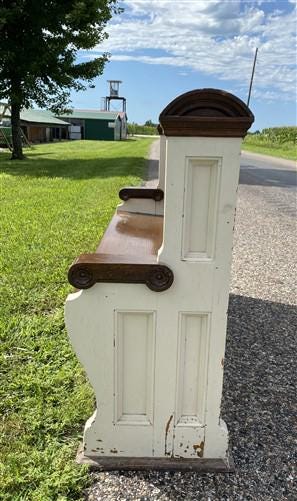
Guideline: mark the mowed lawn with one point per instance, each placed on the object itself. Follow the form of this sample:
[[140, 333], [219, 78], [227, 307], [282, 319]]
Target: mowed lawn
[[54, 206]]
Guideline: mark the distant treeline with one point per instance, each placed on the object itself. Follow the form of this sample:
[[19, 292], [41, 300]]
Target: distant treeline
[[148, 129], [277, 135]]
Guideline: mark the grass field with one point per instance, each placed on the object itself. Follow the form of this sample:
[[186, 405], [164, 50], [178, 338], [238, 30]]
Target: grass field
[[258, 144], [55, 205]]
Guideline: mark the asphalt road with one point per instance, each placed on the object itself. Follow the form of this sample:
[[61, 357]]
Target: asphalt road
[[259, 171], [264, 253]]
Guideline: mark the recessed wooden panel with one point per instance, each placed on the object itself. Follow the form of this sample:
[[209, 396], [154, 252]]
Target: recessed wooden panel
[[200, 208], [134, 367], [192, 366]]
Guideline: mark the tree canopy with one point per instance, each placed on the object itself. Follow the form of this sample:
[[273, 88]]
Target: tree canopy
[[150, 123], [39, 42]]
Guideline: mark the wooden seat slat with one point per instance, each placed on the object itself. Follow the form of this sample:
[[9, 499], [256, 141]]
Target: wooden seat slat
[[130, 234]]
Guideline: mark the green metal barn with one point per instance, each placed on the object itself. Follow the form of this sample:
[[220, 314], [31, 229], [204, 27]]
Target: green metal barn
[[91, 124], [43, 125]]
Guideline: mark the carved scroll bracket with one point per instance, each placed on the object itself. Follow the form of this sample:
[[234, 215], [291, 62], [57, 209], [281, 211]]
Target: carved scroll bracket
[[150, 193], [89, 269]]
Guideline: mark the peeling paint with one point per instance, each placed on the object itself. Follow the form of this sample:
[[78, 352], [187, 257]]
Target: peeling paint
[[166, 434], [199, 448], [113, 451]]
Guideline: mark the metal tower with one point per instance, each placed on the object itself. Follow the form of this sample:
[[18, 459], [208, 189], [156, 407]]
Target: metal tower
[[114, 95]]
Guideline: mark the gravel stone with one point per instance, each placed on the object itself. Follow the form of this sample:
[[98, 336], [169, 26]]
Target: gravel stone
[[259, 396]]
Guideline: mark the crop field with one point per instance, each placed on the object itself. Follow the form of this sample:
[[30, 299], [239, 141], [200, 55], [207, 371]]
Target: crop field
[[55, 205], [275, 141]]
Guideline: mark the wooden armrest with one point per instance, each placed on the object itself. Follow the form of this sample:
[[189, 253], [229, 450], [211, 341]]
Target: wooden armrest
[[136, 192], [127, 254], [91, 268]]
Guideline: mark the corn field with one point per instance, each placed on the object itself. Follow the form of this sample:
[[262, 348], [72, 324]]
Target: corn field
[[275, 135], [276, 141], [281, 134]]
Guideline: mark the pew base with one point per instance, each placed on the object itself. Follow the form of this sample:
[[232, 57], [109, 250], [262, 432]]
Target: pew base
[[202, 465]]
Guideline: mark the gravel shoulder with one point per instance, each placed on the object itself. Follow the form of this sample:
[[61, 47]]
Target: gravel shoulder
[[259, 398]]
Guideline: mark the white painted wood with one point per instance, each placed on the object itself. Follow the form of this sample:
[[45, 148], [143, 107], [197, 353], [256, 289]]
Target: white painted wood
[[95, 313], [202, 285], [162, 163], [200, 211], [134, 375], [155, 360], [191, 385], [142, 206], [191, 377]]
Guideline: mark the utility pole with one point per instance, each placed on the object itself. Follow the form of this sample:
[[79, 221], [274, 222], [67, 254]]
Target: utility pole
[[252, 77]]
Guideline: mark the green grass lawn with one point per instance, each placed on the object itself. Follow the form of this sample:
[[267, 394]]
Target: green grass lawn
[[55, 205], [257, 145]]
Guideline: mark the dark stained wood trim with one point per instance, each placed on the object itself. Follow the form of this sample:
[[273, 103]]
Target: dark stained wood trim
[[206, 127], [168, 464], [89, 269], [137, 192], [208, 113], [160, 130]]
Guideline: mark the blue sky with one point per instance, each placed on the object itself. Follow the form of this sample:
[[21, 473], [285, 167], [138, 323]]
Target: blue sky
[[162, 48]]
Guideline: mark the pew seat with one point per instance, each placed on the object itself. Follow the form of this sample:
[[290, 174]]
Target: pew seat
[[127, 253]]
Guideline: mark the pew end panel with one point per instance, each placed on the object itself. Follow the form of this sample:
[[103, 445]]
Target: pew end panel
[[153, 349]]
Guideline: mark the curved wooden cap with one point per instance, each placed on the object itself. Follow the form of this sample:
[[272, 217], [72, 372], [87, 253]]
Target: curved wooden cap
[[206, 112]]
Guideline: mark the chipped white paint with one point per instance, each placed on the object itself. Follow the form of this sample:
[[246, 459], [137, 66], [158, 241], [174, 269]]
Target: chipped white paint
[[155, 360], [191, 385]]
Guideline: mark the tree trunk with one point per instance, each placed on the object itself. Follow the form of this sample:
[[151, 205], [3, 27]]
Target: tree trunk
[[17, 145]]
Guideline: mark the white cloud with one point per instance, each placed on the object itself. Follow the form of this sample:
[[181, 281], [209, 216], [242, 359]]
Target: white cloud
[[215, 37]]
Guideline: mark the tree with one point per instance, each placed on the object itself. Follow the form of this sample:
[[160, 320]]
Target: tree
[[149, 123], [39, 42]]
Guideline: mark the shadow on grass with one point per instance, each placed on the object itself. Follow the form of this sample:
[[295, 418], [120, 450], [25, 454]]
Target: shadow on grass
[[74, 168]]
